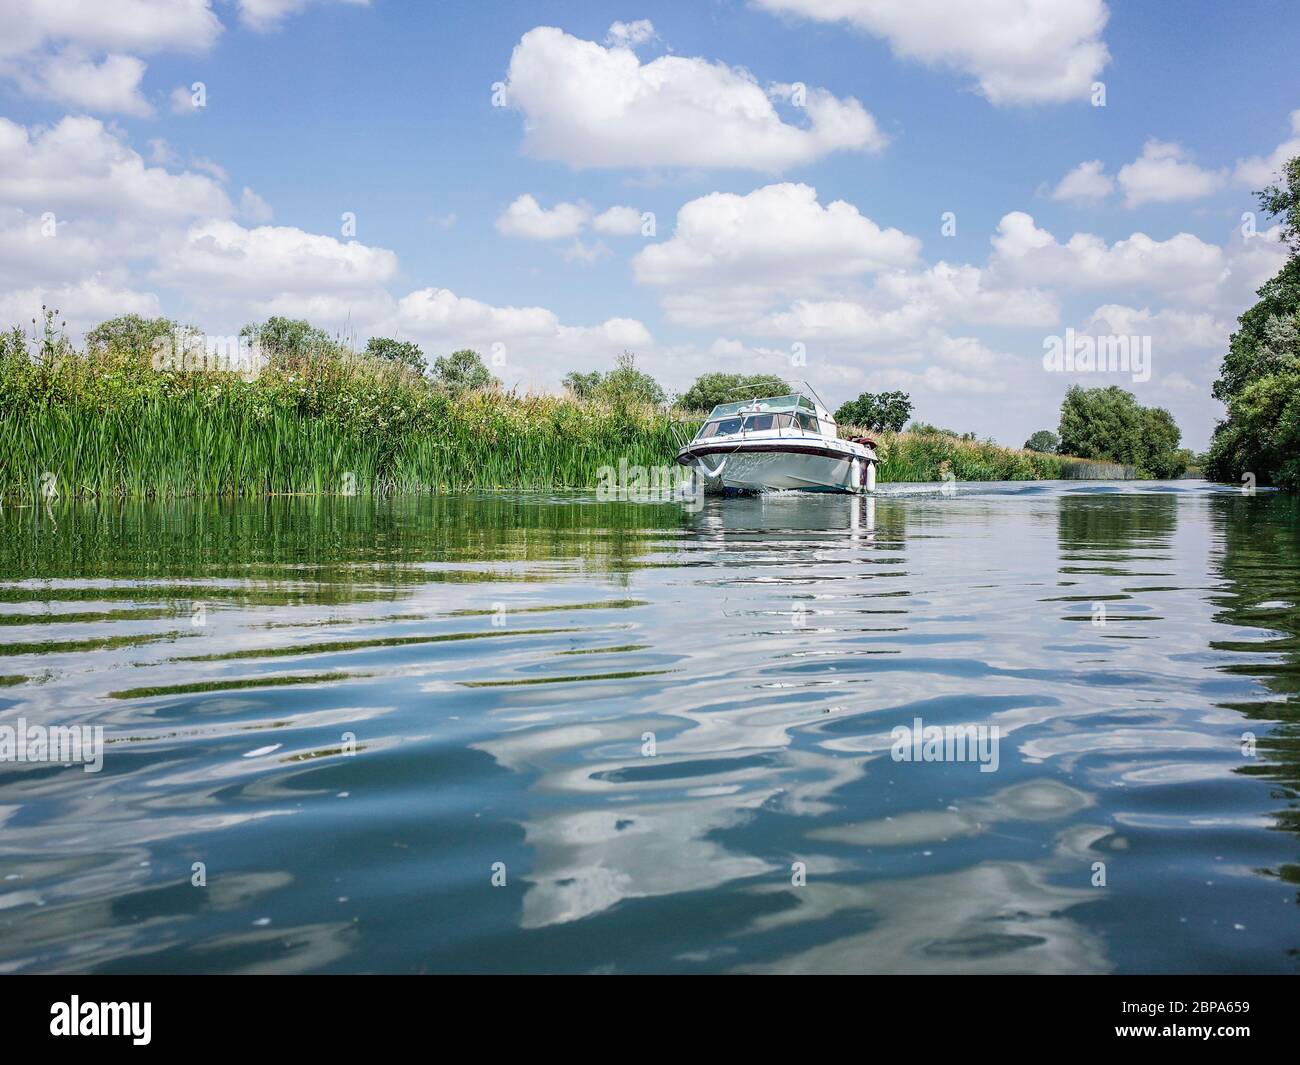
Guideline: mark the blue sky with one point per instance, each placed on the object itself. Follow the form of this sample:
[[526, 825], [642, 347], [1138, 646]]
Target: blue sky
[[797, 156]]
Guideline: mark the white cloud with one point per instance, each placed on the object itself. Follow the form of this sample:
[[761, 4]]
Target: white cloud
[[181, 101], [1164, 174], [776, 238], [591, 106], [80, 164], [266, 15], [527, 218], [630, 34], [85, 52], [223, 259], [1172, 330], [538, 348], [1087, 182], [618, 222], [36, 248], [253, 208], [1026, 253], [143, 26], [1259, 171], [70, 77], [967, 293], [82, 52], [82, 304], [1019, 51]]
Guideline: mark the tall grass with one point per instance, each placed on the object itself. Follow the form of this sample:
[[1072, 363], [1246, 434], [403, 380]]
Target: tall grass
[[108, 424], [924, 456], [111, 425]]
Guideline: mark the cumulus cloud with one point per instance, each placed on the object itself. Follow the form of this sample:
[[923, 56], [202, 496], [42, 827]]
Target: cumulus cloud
[[82, 304], [618, 222], [630, 34], [776, 238], [1019, 51], [1025, 252], [70, 77], [224, 257], [253, 208], [84, 53], [966, 293], [591, 106], [1087, 183], [80, 163], [136, 26], [1177, 331], [1163, 174], [181, 101], [527, 218], [1258, 171], [266, 15]]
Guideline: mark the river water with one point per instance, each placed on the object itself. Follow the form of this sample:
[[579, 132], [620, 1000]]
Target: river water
[[544, 733]]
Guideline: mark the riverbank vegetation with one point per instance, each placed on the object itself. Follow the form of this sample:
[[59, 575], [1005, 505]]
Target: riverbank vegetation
[[316, 418], [1260, 376], [146, 410]]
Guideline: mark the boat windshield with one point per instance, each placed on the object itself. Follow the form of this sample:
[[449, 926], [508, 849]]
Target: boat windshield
[[721, 427], [752, 423]]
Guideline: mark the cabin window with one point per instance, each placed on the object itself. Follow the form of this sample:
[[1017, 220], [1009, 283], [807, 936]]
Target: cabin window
[[756, 422], [707, 430], [808, 423], [726, 427]]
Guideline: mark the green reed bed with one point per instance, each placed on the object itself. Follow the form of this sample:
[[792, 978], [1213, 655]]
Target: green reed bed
[[112, 426], [932, 456]]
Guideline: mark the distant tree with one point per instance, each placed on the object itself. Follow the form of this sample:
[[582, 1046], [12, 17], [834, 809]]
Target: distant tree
[[1044, 441], [888, 410], [710, 389], [462, 371], [583, 385], [623, 384], [402, 352], [288, 338], [129, 334], [1109, 424], [926, 429]]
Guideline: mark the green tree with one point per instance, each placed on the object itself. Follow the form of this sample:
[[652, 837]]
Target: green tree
[[710, 389], [462, 371], [281, 338], [402, 352], [130, 334], [583, 385], [623, 384], [628, 384], [1109, 424], [1044, 440], [1261, 369], [886, 411]]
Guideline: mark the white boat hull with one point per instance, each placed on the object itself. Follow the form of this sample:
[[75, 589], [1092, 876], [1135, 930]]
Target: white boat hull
[[753, 470]]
